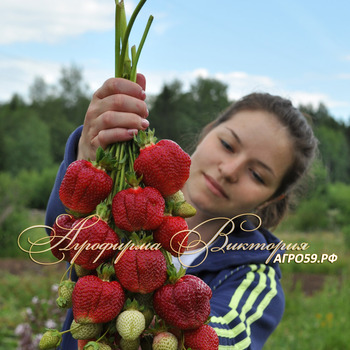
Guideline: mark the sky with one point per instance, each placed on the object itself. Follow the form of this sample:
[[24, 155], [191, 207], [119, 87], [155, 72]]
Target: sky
[[298, 49]]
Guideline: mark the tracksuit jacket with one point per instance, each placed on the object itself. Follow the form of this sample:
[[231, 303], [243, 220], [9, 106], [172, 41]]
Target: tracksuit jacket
[[248, 300]]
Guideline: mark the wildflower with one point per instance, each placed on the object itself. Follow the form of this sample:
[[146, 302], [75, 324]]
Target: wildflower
[[20, 329], [29, 311], [50, 324], [54, 288], [329, 317], [35, 300]]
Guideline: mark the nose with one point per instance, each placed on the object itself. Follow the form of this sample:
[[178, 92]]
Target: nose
[[230, 169]]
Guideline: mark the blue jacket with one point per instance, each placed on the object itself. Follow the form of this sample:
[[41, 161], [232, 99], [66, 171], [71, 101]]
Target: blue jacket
[[248, 300]]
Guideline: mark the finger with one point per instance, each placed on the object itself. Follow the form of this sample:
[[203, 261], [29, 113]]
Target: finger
[[122, 103], [109, 136], [141, 80], [111, 120], [114, 86]]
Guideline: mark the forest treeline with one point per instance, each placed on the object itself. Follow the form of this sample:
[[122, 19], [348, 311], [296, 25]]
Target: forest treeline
[[33, 133]]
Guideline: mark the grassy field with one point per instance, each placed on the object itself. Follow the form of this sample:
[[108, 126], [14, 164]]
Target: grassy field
[[317, 314], [317, 308]]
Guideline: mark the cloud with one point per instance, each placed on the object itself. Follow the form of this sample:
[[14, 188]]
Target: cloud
[[17, 74], [242, 83], [314, 99], [344, 76], [239, 83], [51, 21]]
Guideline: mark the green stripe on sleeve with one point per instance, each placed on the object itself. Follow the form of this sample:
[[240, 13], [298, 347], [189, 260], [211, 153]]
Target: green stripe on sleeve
[[245, 324]]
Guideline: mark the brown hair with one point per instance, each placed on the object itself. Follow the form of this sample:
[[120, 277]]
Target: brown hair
[[302, 136]]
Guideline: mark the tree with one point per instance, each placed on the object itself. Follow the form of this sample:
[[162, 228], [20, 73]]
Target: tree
[[180, 115], [39, 91], [25, 143], [71, 85], [335, 152]]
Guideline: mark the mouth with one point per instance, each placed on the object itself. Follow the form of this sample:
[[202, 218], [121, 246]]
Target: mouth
[[214, 187]]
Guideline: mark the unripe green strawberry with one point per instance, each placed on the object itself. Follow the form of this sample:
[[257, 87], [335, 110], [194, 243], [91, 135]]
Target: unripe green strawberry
[[129, 344], [177, 197], [83, 342], [146, 302], [65, 291], [179, 206], [165, 341], [81, 271], [149, 315], [85, 331], [50, 340], [92, 345], [130, 324], [184, 210]]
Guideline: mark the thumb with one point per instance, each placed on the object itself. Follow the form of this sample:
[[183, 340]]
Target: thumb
[[141, 80]]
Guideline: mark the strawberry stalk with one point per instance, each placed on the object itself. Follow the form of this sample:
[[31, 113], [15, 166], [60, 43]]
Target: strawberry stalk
[[126, 152]]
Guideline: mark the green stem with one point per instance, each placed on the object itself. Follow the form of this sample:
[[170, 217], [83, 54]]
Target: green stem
[[122, 170], [137, 56], [118, 38], [127, 34]]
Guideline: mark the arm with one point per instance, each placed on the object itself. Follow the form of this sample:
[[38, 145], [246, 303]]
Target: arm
[[247, 305], [116, 112]]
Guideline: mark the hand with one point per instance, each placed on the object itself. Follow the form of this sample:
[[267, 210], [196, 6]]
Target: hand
[[115, 114]]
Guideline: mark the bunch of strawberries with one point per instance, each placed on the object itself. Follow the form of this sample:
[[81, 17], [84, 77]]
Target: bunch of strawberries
[[129, 294], [125, 220]]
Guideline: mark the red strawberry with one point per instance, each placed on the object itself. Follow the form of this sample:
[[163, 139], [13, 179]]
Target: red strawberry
[[164, 165], [172, 234], [141, 271], [202, 338], [93, 231], [61, 235], [96, 300], [84, 186], [138, 208], [184, 304]]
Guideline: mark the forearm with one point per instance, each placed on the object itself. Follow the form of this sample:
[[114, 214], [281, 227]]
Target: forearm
[[55, 206]]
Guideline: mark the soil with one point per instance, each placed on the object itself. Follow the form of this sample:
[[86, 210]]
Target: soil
[[310, 283]]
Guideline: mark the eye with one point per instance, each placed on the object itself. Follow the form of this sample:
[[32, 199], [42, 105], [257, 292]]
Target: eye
[[257, 177], [226, 145]]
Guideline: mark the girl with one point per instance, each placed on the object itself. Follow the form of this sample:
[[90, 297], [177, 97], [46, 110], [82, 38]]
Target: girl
[[248, 160]]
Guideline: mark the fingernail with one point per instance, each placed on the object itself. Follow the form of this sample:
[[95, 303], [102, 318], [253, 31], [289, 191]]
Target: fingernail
[[145, 123], [132, 132], [143, 94]]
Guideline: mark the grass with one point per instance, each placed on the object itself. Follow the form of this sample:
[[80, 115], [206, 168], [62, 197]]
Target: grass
[[314, 318], [24, 292], [316, 322]]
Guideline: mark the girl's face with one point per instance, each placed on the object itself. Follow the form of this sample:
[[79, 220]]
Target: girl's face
[[239, 165]]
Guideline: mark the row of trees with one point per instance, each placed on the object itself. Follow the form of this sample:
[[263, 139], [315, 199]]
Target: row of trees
[[33, 135]]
